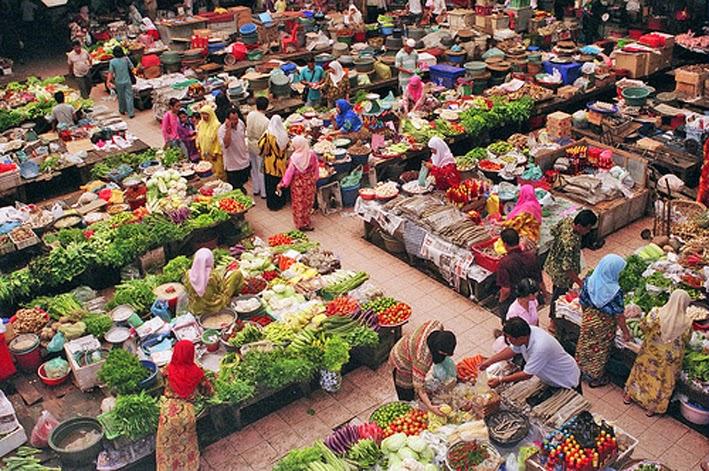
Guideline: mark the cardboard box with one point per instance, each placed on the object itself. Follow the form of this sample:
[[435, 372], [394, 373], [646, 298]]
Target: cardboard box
[[659, 59], [567, 91], [688, 76], [480, 22], [634, 62], [689, 90], [496, 23]]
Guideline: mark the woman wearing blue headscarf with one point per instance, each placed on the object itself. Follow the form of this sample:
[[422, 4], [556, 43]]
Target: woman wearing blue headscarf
[[603, 310], [346, 120]]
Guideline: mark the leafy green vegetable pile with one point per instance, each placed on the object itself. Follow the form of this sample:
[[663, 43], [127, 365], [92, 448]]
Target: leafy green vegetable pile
[[696, 364], [135, 415], [481, 118], [122, 371]]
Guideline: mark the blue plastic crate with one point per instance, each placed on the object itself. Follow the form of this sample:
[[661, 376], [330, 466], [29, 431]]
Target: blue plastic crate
[[569, 72], [445, 75]]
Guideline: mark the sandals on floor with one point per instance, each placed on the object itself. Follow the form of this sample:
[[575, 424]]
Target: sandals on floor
[[598, 383]]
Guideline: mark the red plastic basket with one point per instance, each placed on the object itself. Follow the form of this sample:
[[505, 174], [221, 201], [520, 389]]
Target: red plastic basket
[[483, 259]]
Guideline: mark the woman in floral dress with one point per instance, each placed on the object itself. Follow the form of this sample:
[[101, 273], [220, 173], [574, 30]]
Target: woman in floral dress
[[300, 176], [337, 84], [667, 331], [176, 446]]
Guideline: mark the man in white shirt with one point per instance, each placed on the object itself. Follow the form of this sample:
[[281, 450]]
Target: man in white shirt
[[62, 114], [79, 62], [232, 137], [256, 125], [544, 356], [406, 61]]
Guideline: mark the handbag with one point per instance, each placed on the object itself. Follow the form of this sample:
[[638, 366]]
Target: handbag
[[130, 72]]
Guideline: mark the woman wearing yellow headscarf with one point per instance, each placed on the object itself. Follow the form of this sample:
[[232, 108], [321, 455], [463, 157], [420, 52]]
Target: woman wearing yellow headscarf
[[667, 330], [208, 140]]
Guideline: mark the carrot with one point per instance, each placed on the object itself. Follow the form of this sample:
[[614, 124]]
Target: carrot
[[467, 368]]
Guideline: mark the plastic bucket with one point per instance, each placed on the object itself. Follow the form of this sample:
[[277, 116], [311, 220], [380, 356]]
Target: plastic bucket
[[349, 195], [25, 349], [342, 166]]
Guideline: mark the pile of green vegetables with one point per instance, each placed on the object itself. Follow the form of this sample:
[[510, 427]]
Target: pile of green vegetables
[[478, 119], [134, 415], [696, 365], [103, 168], [122, 372], [25, 459], [112, 243]]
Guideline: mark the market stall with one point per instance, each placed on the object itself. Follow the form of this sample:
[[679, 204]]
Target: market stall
[[522, 426], [296, 319]]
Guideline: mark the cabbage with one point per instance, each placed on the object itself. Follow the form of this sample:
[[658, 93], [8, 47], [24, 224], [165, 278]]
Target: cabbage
[[394, 462], [430, 467], [406, 452], [393, 443], [427, 455], [416, 443]]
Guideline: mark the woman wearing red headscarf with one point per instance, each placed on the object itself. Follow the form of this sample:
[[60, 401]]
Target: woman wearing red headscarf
[[414, 95], [176, 446]]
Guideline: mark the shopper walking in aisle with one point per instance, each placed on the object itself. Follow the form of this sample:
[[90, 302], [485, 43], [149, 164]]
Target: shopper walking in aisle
[[603, 310], [414, 354], [563, 263], [406, 60], [516, 265], [120, 79], [176, 445], [169, 124], [337, 84], [79, 62], [300, 176], [256, 125], [273, 145], [544, 357], [442, 164], [208, 140], [652, 379], [232, 137], [186, 133], [526, 217]]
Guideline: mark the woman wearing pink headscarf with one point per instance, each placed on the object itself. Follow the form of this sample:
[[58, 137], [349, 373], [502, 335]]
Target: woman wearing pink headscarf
[[414, 95], [526, 217], [442, 164], [300, 176], [209, 288]]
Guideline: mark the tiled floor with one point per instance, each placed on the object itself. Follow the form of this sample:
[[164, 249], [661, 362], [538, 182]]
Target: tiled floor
[[300, 423]]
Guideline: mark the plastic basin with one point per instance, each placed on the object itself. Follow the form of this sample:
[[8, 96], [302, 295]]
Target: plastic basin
[[69, 431], [635, 96], [152, 378], [693, 413], [51, 381]]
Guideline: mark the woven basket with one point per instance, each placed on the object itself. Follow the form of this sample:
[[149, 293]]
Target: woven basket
[[687, 208]]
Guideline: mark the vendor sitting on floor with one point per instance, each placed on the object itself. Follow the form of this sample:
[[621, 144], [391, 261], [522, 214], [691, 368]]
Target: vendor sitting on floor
[[442, 164], [63, 114], [346, 120], [543, 354], [209, 288], [526, 217]]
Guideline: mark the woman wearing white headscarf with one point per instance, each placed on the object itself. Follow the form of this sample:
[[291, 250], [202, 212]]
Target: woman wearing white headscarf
[[337, 84], [442, 165], [667, 330], [300, 176], [209, 288], [273, 145]]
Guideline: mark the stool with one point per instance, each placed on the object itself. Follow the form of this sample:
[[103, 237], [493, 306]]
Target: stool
[[330, 198]]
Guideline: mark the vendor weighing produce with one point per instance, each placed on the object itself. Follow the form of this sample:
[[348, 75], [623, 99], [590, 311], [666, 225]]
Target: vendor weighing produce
[[543, 354], [414, 355]]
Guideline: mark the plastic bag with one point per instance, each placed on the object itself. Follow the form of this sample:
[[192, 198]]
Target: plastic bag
[[511, 463], [161, 309], [57, 343], [44, 426], [56, 368]]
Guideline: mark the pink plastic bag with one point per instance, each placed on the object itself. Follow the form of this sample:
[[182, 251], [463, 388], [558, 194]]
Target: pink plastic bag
[[42, 429]]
